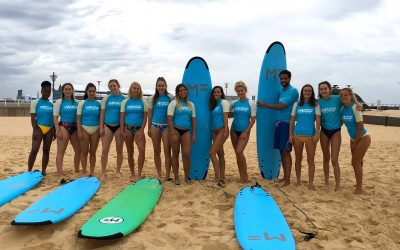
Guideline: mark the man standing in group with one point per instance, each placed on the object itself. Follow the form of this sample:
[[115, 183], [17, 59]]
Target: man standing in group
[[287, 97]]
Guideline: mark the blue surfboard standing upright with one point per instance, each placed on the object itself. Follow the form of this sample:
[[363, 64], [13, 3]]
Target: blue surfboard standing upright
[[197, 79], [269, 86]]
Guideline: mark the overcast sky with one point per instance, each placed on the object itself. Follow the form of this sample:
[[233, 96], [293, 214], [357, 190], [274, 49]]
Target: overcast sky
[[344, 42]]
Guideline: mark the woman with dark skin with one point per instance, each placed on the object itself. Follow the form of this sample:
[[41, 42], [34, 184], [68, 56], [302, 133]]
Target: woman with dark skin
[[42, 127]]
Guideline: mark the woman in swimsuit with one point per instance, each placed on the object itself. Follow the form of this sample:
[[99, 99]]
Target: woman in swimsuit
[[181, 117], [331, 138], [42, 127], [65, 109], [244, 113], [88, 123], [220, 132], [158, 126], [110, 127], [359, 137], [133, 122], [304, 131]]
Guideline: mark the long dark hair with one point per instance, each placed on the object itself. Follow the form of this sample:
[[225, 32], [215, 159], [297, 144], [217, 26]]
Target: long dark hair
[[62, 90], [313, 102], [178, 102], [89, 85], [327, 84], [157, 94], [213, 102]]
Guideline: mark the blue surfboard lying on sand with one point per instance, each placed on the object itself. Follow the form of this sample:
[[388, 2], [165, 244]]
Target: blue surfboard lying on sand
[[269, 86], [198, 80], [13, 187], [259, 223], [59, 204]]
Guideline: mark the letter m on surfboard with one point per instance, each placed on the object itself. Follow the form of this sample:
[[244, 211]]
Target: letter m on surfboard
[[272, 72], [203, 87], [46, 210]]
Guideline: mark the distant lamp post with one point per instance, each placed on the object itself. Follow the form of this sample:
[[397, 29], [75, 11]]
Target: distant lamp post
[[348, 85], [98, 85], [335, 86], [226, 88], [53, 77]]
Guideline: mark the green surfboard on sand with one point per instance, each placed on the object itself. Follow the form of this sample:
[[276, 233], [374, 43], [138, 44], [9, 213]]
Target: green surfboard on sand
[[125, 212]]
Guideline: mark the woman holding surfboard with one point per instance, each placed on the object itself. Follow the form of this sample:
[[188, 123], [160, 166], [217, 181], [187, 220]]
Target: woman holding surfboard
[[133, 122], [158, 126], [244, 113], [220, 132], [42, 127], [65, 109], [88, 123], [181, 117], [359, 137], [110, 127], [304, 131]]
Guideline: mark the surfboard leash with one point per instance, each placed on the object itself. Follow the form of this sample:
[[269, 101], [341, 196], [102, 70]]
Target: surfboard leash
[[307, 235]]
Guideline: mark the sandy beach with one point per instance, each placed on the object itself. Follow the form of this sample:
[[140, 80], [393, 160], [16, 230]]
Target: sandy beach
[[200, 216]]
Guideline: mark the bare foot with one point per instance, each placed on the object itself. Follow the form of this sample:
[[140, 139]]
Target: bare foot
[[327, 184], [187, 181], [281, 180], [133, 178], [287, 183], [311, 187], [221, 183], [160, 178], [298, 184], [168, 179], [103, 177], [337, 187], [357, 191], [84, 173], [118, 174], [177, 182]]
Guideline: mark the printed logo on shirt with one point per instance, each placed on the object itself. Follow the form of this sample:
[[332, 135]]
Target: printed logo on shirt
[[92, 108], [162, 104], [328, 110], [303, 110], [242, 109], [347, 118], [134, 107], [45, 108], [114, 103], [70, 107]]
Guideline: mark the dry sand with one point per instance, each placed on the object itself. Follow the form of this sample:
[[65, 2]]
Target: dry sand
[[200, 216]]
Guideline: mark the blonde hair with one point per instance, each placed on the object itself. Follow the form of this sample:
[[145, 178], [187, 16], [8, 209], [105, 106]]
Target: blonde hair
[[240, 84], [352, 95], [130, 95]]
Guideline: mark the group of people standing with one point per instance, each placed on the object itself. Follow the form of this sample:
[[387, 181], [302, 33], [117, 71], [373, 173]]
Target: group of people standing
[[305, 121], [172, 122]]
